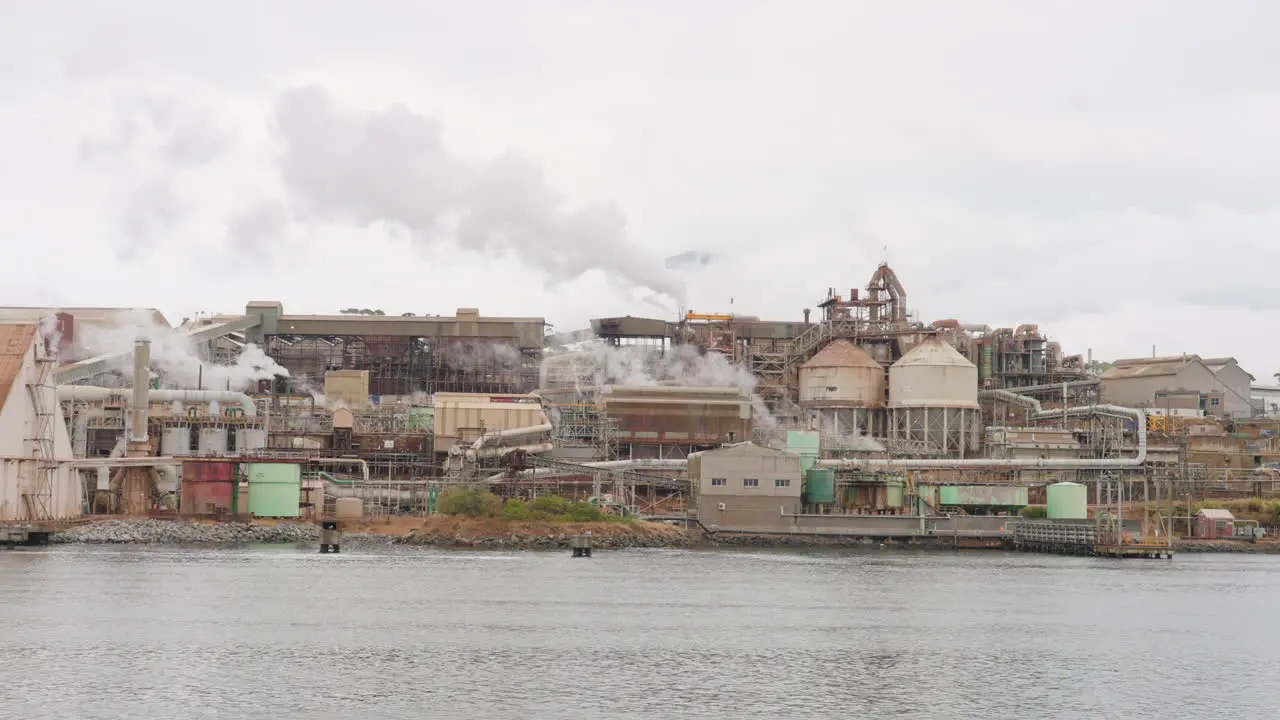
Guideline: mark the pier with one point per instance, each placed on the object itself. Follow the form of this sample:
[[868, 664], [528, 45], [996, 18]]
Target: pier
[[1084, 539], [24, 536]]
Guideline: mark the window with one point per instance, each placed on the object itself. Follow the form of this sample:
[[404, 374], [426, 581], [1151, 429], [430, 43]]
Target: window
[[780, 483], [751, 482], [719, 482], [1215, 401]]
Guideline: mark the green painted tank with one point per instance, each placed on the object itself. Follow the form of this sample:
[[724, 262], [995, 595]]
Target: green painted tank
[[1067, 501], [894, 494], [819, 486], [274, 489]]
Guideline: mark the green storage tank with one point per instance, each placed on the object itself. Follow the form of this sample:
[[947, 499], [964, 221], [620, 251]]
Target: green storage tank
[[894, 494], [1067, 501], [274, 489], [820, 487]]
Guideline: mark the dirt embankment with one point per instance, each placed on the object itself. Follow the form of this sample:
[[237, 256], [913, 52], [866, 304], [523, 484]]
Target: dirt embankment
[[1265, 547], [454, 531]]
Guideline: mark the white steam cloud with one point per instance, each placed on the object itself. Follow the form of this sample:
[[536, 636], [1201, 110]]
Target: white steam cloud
[[174, 355], [597, 365], [391, 166]]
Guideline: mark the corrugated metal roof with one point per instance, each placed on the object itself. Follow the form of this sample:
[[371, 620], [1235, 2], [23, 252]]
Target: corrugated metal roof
[[1148, 367], [842, 354], [1216, 514], [935, 352], [15, 343]]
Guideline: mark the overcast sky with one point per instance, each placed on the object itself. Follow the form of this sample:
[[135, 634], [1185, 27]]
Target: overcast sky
[[1107, 170]]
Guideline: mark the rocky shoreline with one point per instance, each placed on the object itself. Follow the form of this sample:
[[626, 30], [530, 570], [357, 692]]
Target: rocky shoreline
[[451, 532]]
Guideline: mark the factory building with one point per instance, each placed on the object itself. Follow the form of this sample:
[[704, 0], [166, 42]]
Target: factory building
[[37, 481], [667, 422], [745, 487], [404, 355], [1180, 385]]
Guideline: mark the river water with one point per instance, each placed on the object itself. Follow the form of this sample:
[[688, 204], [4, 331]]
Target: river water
[[282, 632]]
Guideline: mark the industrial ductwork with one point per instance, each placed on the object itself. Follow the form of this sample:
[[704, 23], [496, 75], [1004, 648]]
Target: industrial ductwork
[[513, 432], [93, 393], [473, 455]]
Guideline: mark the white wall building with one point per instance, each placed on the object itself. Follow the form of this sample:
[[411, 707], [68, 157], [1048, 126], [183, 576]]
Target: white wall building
[[37, 480]]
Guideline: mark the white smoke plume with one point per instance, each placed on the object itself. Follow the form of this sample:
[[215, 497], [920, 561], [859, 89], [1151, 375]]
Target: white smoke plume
[[175, 357], [391, 167]]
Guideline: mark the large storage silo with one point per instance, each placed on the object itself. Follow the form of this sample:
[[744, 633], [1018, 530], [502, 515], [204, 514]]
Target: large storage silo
[[843, 387], [933, 399]]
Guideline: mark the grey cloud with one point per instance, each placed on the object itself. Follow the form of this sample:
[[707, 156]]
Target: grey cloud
[[152, 211], [392, 166], [251, 227]]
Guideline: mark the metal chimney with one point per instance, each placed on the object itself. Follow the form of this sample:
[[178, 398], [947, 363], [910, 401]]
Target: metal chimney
[[141, 389]]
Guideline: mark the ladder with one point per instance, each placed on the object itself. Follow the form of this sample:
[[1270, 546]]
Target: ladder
[[38, 497]]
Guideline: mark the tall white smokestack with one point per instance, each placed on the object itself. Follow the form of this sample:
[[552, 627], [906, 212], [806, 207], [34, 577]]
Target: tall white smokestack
[[141, 388]]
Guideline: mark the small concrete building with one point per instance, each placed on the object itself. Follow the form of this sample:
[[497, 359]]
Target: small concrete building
[[1213, 524], [1180, 382], [745, 487]]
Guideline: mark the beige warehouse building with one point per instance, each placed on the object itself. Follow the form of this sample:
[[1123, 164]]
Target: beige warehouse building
[[1180, 382], [746, 487]]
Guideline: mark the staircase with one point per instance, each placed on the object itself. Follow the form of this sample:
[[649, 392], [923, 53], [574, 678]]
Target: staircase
[[774, 369]]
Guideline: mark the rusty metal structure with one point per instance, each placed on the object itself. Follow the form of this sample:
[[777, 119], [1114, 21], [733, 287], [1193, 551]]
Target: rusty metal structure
[[876, 319]]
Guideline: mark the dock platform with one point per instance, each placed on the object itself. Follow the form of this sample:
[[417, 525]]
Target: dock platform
[[1082, 539]]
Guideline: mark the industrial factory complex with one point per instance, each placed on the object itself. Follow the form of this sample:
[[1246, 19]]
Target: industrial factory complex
[[856, 418]]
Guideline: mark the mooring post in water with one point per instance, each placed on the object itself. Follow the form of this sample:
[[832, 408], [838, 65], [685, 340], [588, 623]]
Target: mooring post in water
[[330, 536], [581, 545]]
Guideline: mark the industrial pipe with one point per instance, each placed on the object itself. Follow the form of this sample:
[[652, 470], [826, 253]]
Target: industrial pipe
[[473, 455], [679, 464], [141, 387], [100, 394], [513, 432], [1137, 460]]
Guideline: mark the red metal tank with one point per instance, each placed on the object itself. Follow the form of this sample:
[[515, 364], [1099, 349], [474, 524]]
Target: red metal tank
[[207, 487]]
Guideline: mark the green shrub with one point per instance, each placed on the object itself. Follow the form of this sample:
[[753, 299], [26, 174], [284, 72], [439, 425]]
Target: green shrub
[[1034, 511], [551, 504], [515, 509], [471, 502], [540, 516], [1256, 505], [583, 512]]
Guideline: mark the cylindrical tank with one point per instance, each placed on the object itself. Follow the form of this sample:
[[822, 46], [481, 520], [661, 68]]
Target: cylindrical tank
[[274, 489], [213, 441], [894, 494], [1067, 501], [250, 439], [820, 486], [175, 441], [932, 375], [348, 508], [207, 487], [841, 375]]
